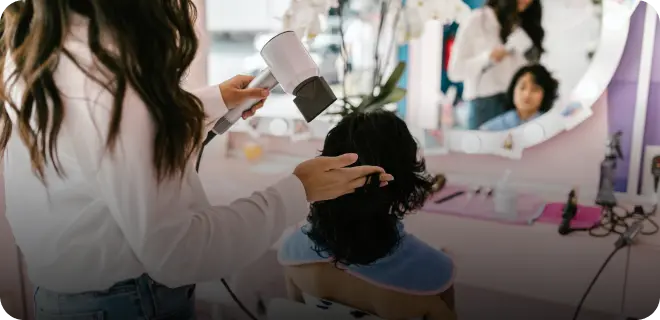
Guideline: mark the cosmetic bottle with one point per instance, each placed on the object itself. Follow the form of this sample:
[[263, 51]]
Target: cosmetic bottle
[[505, 198]]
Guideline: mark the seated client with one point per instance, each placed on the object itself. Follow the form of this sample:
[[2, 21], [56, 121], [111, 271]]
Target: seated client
[[354, 254], [531, 93]]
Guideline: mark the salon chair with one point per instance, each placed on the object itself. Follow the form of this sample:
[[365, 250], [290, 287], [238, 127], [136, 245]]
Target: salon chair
[[283, 309]]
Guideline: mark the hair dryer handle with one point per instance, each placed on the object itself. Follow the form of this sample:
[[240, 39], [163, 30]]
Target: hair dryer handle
[[264, 79]]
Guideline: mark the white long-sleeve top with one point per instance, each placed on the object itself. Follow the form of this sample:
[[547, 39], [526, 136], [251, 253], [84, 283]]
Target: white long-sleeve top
[[109, 220], [475, 39]]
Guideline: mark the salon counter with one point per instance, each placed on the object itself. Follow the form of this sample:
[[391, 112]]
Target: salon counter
[[643, 283], [528, 261], [532, 261]]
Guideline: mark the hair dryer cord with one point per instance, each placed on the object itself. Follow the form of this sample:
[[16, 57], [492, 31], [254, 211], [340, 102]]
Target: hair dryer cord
[[208, 139], [626, 239], [593, 282]]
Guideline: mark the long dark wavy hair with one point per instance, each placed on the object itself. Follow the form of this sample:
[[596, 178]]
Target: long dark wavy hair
[[362, 227], [154, 43], [543, 78], [529, 20]]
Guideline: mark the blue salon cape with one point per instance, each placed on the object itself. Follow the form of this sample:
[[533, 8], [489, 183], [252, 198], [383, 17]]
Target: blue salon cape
[[413, 267], [506, 121]]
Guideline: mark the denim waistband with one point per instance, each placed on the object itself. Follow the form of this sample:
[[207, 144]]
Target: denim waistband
[[153, 300]]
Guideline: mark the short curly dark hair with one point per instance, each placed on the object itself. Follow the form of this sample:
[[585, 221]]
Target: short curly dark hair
[[362, 227], [543, 78]]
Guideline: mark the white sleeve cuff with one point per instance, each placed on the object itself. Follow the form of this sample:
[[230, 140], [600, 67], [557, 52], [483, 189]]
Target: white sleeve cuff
[[483, 59], [214, 104], [294, 198]]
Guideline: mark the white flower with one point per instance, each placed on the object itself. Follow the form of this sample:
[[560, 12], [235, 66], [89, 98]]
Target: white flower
[[304, 16], [394, 6], [417, 12], [445, 11], [410, 25]]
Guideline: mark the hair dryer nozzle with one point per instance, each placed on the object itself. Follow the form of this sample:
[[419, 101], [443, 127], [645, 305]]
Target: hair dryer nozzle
[[313, 96]]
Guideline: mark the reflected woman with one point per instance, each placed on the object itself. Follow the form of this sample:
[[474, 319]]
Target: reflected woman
[[532, 92], [488, 50]]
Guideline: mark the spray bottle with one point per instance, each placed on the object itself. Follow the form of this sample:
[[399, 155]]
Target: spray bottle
[[505, 198], [606, 196]]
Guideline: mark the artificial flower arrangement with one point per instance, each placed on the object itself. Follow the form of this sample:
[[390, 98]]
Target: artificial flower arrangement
[[398, 24]]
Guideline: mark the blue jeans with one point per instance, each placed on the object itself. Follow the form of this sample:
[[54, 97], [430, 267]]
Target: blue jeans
[[135, 299], [483, 109]]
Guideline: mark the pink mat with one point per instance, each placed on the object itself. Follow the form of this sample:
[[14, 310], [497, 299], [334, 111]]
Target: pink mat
[[586, 217], [480, 207]]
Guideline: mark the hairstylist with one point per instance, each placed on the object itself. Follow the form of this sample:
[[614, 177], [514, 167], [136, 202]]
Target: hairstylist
[[99, 142], [481, 58]]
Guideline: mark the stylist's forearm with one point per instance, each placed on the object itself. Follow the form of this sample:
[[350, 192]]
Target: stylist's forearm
[[236, 235]]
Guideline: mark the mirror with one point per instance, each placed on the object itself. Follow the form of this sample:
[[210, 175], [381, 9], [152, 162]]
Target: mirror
[[515, 72]]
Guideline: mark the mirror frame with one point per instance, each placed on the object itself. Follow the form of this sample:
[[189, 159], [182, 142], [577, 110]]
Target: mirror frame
[[566, 115]]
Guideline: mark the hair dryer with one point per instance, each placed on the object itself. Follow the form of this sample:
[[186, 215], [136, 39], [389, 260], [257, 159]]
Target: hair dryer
[[290, 66]]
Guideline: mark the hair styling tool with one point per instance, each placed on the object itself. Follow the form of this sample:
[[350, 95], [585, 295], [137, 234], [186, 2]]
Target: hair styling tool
[[451, 196]]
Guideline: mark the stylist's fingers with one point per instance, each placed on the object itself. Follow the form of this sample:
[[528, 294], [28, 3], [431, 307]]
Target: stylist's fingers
[[363, 171], [254, 93], [241, 80], [332, 163], [384, 178], [326, 178], [252, 111]]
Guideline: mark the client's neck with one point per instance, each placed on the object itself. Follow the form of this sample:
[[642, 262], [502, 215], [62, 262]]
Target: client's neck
[[526, 115]]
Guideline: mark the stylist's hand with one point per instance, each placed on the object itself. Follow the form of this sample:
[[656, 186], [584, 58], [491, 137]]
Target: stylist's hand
[[498, 54], [234, 93], [326, 178]]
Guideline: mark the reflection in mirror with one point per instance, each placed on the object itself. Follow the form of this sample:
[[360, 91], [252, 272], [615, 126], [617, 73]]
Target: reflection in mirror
[[434, 141], [511, 61]]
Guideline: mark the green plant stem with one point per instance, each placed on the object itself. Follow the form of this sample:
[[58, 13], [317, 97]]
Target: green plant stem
[[384, 8], [344, 53], [390, 50]]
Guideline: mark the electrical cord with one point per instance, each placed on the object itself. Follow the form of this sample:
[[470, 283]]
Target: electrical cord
[[626, 239], [617, 220], [593, 282], [208, 139]]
